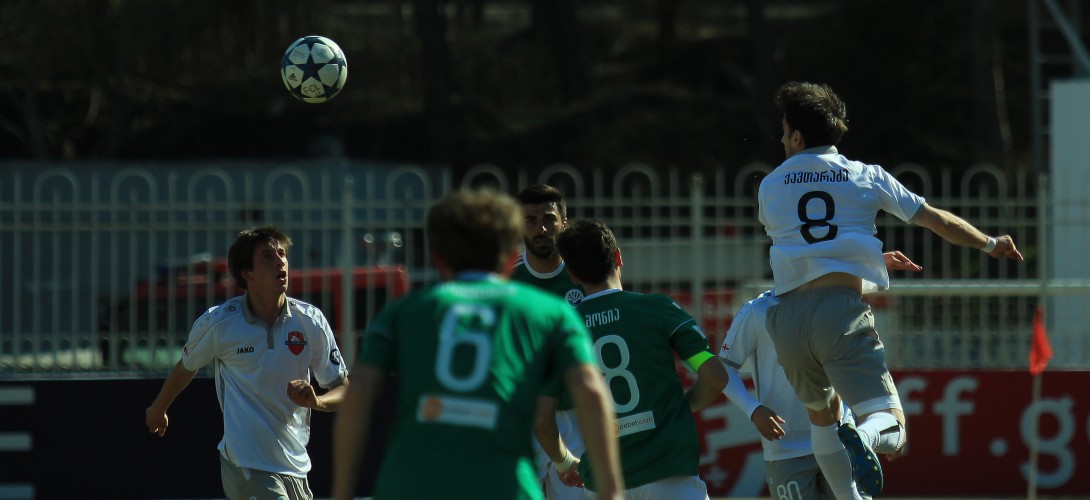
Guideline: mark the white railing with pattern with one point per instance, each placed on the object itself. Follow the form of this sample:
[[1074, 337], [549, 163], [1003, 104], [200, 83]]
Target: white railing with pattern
[[75, 241]]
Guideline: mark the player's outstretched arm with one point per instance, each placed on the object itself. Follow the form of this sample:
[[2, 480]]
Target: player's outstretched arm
[[960, 232], [594, 410], [352, 426], [711, 378], [155, 416], [897, 261]]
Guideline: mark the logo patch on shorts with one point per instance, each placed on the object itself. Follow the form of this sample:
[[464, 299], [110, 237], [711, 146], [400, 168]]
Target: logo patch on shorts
[[295, 343]]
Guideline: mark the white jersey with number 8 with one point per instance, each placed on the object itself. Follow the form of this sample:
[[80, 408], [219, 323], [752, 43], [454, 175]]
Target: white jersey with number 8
[[819, 209]]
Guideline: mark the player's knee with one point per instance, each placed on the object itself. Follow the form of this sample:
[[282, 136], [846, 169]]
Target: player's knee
[[818, 406], [892, 440], [888, 434], [822, 414]]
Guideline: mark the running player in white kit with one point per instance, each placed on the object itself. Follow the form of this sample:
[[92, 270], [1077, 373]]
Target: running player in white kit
[[266, 347], [819, 208]]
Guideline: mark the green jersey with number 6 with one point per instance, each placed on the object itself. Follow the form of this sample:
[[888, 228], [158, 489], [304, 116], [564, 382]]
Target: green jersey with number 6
[[635, 338], [470, 358]]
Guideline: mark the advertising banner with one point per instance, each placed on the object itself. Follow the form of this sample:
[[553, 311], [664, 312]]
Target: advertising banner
[[969, 434]]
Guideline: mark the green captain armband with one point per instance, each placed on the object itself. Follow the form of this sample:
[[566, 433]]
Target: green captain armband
[[698, 360]]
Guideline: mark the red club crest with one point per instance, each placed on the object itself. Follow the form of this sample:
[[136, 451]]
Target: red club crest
[[296, 343]]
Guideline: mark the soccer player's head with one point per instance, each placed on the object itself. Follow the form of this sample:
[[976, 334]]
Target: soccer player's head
[[590, 251], [241, 256], [813, 115], [546, 215], [474, 230]]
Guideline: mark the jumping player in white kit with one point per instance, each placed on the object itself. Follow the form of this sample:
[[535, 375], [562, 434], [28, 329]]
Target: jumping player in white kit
[[819, 208], [791, 469]]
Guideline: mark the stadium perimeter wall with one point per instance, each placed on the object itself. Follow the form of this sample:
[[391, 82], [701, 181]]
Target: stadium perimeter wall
[[75, 237], [969, 436]]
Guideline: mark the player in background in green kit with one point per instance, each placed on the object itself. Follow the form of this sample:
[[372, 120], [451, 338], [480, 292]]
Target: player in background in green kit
[[635, 339], [545, 215], [471, 355]]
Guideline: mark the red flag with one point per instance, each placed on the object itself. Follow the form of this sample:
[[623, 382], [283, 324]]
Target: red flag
[[1040, 351]]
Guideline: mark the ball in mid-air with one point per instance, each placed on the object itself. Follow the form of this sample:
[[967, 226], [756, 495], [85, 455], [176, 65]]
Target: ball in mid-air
[[314, 69]]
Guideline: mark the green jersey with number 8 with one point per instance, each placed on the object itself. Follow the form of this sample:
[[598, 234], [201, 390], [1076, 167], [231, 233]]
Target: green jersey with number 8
[[470, 356], [635, 338]]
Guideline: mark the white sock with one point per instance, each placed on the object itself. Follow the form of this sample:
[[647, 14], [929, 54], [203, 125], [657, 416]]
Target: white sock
[[833, 460], [882, 432]]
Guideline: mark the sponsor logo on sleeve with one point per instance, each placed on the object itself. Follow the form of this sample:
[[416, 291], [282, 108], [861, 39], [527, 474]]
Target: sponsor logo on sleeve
[[335, 356]]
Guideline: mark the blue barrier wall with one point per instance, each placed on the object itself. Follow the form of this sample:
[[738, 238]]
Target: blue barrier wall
[[88, 440]]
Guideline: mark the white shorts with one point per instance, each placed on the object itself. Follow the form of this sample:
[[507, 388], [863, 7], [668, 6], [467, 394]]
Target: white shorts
[[798, 477], [244, 484]]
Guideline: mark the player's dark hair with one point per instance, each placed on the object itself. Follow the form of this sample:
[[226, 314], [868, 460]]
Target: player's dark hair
[[815, 111], [241, 255], [475, 229], [543, 193], [589, 249]]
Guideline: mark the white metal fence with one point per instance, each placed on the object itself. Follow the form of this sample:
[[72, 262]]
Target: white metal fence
[[81, 245]]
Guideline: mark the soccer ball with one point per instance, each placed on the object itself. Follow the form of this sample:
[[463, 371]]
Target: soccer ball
[[314, 69]]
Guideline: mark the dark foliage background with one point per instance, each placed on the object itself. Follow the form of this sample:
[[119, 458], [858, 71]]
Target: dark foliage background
[[685, 83]]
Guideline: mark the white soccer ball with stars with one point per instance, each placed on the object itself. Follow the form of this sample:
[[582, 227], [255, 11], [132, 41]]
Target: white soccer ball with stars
[[314, 69]]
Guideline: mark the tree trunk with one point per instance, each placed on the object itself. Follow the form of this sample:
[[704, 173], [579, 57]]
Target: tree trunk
[[764, 77], [34, 136], [431, 30], [556, 28], [985, 134], [666, 18]]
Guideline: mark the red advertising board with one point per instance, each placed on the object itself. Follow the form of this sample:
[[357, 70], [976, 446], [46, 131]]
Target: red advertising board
[[969, 434]]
